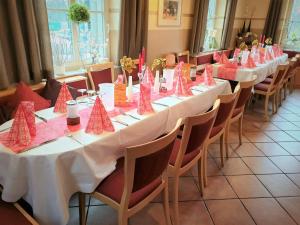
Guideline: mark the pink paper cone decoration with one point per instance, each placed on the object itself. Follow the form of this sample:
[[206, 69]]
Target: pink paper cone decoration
[[144, 103], [216, 56], [23, 127], [223, 59], [268, 55], [208, 77], [148, 77], [181, 88], [250, 62], [99, 120], [261, 57], [236, 52], [63, 96]]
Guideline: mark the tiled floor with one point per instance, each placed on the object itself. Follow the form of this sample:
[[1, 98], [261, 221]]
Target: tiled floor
[[259, 184]]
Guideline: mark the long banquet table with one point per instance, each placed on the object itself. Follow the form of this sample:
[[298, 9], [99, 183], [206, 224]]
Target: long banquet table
[[48, 175], [261, 71]]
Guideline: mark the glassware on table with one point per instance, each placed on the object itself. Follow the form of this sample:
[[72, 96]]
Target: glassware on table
[[81, 98], [106, 93], [193, 72], [72, 113]]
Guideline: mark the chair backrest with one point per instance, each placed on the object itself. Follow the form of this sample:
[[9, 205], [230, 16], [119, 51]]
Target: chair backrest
[[278, 76], [196, 132], [183, 57], [101, 73], [135, 71], [245, 93], [170, 60], [227, 104], [290, 70], [141, 162]]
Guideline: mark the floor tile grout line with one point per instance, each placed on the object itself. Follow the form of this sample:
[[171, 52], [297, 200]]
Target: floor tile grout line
[[286, 210]]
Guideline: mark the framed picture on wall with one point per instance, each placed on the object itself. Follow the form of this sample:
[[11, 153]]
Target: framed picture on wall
[[169, 12]]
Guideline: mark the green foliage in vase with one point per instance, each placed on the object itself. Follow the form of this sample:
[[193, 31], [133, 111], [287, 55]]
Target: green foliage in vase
[[79, 13]]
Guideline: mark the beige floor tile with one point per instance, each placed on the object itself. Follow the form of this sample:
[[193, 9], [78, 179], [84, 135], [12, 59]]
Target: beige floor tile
[[266, 211], [279, 136], [73, 216], [212, 169], [258, 137], [292, 206], [233, 137], [214, 151], [277, 118], [263, 126], [291, 117], [246, 149], [298, 157], [261, 165], [193, 213], [295, 177], [279, 185], [288, 164], [152, 214], [234, 166], [295, 134], [102, 215], [228, 212], [297, 123], [218, 188], [248, 186], [271, 149], [188, 189], [286, 126], [292, 147]]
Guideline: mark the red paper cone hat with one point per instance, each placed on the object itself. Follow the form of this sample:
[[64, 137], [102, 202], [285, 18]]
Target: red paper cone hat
[[19, 132], [63, 96], [144, 104], [99, 119], [181, 88], [208, 77]]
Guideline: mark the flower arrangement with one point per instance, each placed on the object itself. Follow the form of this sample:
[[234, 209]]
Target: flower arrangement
[[159, 62], [127, 64], [243, 46], [79, 13], [255, 42], [268, 41]]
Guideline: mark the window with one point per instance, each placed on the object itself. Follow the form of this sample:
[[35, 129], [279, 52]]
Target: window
[[76, 45], [292, 34], [214, 26]]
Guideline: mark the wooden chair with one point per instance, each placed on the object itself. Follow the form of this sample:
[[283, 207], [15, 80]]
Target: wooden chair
[[227, 104], [183, 56], [101, 73], [170, 60], [238, 111], [271, 89], [14, 214], [135, 71], [137, 179], [291, 81], [190, 149], [287, 79]]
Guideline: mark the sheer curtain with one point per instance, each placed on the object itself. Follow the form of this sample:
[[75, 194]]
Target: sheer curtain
[[25, 50]]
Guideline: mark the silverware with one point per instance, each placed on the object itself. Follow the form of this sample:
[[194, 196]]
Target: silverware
[[41, 118], [174, 96], [161, 104], [120, 122], [195, 89], [46, 142], [127, 114]]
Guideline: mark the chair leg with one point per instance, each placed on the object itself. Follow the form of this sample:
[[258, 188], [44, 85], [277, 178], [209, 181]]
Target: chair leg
[[240, 129], [175, 200], [266, 108], [227, 130], [82, 216], [205, 165], [222, 149], [200, 174], [166, 204], [122, 218], [274, 103], [284, 90]]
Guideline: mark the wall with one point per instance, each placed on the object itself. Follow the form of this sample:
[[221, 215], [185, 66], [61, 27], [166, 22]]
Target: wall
[[163, 40]]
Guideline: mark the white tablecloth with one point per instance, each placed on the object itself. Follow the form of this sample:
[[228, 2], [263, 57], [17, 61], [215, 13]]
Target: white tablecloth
[[47, 176], [261, 71]]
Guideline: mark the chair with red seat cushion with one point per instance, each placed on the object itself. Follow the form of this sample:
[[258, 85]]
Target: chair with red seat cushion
[[138, 179], [238, 111], [183, 57], [14, 214], [190, 149], [271, 89], [101, 73], [224, 114]]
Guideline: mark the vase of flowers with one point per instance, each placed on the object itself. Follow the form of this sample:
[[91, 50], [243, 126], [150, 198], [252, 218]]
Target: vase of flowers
[[127, 65]]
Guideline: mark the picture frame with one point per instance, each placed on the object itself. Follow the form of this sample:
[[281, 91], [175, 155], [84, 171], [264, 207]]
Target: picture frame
[[169, 12]]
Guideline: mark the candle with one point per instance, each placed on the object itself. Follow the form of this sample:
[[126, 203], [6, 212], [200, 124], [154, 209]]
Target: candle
[[140, 63], [156, 82], [129, 89]]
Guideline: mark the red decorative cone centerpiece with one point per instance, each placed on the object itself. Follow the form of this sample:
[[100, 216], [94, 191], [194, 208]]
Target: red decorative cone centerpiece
[[223, 59], [208, 77], [144, 103], [261, 58], [23, 127], [99, 120], [149, 78], [268, 55], [250, 62], [216, 56], [63, 96]]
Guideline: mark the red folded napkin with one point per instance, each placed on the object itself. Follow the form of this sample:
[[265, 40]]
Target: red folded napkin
[[216, 56], [99, 120], [181, 88], [233, 64], [208, 77], [144, 103], [236, 52], [261, 58], [23, 127], [250, 62], [268, 55], [223, 59], [63, 96]]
